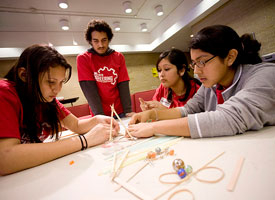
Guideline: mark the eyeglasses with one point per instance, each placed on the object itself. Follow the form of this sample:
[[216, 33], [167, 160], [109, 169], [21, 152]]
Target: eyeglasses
[[200, 64]]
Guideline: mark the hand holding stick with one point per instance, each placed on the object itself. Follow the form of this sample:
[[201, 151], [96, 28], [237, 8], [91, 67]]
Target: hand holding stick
[[113, 109]]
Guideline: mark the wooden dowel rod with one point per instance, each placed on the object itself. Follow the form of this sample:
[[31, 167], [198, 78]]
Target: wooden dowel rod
[[235, 175], [114, 164], [141, 168], [132, 189], [111, 127], [120, 164]]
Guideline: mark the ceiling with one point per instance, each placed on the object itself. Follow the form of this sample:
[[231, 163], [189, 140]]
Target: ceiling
[[26, 22]]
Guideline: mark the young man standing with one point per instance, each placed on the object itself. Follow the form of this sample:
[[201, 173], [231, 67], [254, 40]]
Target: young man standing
[[102, 73]]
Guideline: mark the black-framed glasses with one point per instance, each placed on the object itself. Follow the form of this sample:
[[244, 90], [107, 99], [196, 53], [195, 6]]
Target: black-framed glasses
[[201, 63]]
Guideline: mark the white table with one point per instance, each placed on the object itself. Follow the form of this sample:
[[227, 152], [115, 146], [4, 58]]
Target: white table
[[60, 180]]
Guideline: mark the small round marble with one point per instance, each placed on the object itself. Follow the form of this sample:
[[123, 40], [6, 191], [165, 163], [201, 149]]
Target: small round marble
[[188, 169], [181, 172], [158, 150], [178, 164]]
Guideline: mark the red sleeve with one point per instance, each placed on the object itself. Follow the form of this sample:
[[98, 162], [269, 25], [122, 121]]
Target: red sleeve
[[11, 113], [84, 68], [63, 112], [123, 73]]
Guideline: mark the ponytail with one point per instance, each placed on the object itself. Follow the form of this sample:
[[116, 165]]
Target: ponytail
[[251, 48]]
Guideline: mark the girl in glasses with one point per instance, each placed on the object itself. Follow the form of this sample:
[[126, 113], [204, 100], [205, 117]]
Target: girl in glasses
[[30, 113], [237, 92], [177, 86]]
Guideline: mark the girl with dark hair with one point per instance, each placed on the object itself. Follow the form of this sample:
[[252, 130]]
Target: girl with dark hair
[[237, 92], [30, 113], [176, 87]]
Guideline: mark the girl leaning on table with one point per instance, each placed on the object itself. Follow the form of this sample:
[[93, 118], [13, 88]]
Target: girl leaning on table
[[176, 87], [30, 113], [237, 92]]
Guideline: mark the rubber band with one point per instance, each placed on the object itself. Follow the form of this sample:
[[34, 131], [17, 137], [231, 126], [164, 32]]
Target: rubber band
[[181, 190], [173, 182], [192, 174], [209, 181], [177, 183]]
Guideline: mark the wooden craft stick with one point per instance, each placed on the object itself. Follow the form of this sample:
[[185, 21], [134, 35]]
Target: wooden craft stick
[[141, 155], [235, 175], [119, 165], [122, 123], [186, 178], [132, 189], [141, 168], [210, 161], [114, 164], [111, 127]]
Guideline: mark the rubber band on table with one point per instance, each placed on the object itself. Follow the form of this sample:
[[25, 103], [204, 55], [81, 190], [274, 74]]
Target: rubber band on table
[[190, 175], [181, 190]]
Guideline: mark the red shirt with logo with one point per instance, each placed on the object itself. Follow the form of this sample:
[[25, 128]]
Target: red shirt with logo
[[11, 118], [107, 71], [162, 94]]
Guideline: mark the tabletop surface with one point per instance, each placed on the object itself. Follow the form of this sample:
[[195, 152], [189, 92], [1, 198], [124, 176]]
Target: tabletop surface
[[86, 174]]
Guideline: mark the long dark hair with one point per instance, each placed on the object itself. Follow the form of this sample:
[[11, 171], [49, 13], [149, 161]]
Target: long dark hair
[[37, 59], [220, 39], [177, 58]]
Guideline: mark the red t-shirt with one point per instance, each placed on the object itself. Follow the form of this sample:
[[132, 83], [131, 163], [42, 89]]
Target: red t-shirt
[[107, 71], [162, 94], [11, 117]]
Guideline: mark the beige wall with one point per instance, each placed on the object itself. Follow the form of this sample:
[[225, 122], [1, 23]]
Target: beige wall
[[246, 16], [140, 71]]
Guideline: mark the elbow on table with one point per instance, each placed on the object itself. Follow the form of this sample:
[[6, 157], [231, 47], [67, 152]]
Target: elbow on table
[[4, 168], [6, 164]]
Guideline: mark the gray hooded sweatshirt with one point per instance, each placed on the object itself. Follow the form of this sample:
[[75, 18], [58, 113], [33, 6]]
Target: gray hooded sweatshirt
[[249, 104]]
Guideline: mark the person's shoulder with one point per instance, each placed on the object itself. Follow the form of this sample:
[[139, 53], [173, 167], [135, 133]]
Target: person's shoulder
[[117, 54], [259, 67], [7, 85], [84, 54], [266, 64], [7, 89]]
